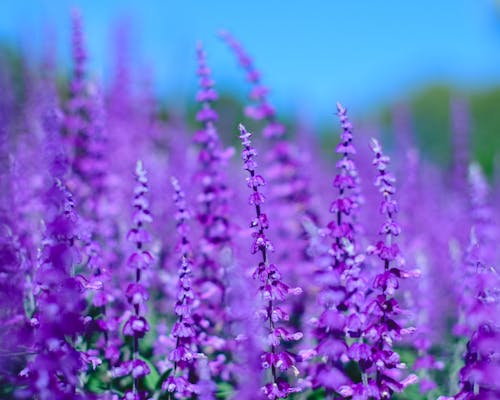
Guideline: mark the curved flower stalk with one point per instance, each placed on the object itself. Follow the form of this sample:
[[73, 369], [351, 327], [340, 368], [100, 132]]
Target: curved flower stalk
[[342, 288], [285, 164], [137, 294], [380, 365], [271, 287], [262, 110], [185, 353], [290, 191]]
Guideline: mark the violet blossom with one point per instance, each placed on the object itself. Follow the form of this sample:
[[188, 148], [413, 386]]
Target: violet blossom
[[59, 304], [183, 357], [342, 288], [289, 189], [479, 304], [271, 287], [380, 364], [212, 214], [136, 293]]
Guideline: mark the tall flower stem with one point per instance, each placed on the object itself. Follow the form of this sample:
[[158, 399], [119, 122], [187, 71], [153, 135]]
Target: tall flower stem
[[136, 293], [342, 289], [272, 289], [185, 352]]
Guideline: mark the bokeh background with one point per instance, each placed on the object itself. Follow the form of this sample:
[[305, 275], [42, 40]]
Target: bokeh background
[[375, 57]]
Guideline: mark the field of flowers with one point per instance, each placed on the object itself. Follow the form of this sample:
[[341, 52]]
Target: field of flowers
[[142, 259]]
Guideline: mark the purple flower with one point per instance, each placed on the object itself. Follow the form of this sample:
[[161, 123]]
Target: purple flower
[[59, 305], [136, 294], [272, 289], [285, 160], [185, 353], [289, 185], [480, 302], [339, 289], [383, 310]]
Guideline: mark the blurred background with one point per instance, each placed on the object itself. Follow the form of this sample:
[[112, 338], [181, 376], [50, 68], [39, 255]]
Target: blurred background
[[381, 59]]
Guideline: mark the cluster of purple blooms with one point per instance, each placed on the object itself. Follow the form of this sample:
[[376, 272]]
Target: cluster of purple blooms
[[269, 288]]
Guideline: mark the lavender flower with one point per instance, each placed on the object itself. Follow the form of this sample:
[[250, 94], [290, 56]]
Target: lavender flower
[[78, 113], [211, 158], [185, 353], [480, 303], [289, 185], [378, 361], [213, 218], [271, 288], [262, 109], [136, 293], [247, 331], [213, 207], [290, 192], [478, 255], [342, 289], [57, 320], [85, 315]]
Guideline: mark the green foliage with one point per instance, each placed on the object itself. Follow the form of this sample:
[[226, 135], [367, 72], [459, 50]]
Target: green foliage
[[317, 394], [224, 390], [99, 379], [431, 122], [407, 355], [152, 380], [485, 123], [411, 393]]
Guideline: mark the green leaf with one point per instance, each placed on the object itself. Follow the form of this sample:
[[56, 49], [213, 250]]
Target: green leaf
[[224, 390], [151, 380], [318, 394], [95, 385], [163, 376]]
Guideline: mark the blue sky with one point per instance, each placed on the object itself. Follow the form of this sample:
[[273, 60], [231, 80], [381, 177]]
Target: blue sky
[[312, 53]]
